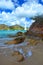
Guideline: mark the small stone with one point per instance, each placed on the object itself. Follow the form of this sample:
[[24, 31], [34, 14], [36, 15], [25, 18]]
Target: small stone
[[18, 56], [33, 42], [15, 53]]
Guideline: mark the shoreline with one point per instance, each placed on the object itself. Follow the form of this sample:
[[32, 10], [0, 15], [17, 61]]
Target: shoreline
[[35, 59]]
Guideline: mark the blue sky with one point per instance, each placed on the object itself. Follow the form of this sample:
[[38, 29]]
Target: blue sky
[[19, 11]]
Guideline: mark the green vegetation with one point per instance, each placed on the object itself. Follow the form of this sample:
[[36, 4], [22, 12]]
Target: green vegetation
[[14, 27], [4, 27]]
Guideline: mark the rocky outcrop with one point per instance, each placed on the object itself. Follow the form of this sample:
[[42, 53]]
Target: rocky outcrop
[[17, 40], [36, 28], [19, 34]]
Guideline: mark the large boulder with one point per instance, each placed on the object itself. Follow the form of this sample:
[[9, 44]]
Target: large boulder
[[36, 29], [17, 40]]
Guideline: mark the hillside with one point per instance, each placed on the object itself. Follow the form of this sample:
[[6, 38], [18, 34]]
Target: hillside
[[14, 27], [4, 27]]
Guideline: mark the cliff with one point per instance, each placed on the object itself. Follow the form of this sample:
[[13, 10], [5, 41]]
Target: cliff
[[36, 29]]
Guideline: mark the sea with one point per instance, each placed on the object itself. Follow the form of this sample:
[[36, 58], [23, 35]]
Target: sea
[[4, 35], [14, 47]]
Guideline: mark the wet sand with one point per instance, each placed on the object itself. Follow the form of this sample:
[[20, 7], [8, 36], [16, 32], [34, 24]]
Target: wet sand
[[35, 59]]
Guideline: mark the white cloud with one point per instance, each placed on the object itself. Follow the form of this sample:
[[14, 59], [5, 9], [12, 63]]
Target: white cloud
[[8, 18], [6, 4], [11, 19], [29, 10], [18, 16]]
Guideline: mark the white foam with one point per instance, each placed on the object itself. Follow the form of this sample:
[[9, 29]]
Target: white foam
[[29, 53]]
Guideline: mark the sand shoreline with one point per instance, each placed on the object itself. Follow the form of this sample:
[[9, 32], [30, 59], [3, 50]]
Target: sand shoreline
[[35, 59]]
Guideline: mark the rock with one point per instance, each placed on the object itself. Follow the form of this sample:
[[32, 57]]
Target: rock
[[17, 40], [17, 34], [15, 53], [19, 57], [36, 29], [33, 41]]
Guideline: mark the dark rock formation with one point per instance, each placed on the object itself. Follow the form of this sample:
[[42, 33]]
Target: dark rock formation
[[36, 28], [19, 34], [17, 40]]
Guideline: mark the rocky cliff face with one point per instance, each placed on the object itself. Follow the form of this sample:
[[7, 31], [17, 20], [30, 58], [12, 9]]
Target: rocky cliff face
[[36, 28]]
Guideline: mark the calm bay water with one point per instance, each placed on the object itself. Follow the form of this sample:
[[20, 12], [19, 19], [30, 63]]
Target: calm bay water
[[4, 35]]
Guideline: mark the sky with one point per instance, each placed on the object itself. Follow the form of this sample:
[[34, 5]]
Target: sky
[[19, 12]]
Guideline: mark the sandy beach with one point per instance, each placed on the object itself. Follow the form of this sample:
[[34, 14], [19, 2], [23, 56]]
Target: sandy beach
[[35, 59]]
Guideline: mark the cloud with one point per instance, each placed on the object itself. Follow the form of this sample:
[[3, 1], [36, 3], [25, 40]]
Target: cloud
[[29, 10], [19, 15], [6, 4], [11, 19], [8, 18]]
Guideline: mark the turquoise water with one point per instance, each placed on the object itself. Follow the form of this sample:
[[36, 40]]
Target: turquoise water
[[4, 35]]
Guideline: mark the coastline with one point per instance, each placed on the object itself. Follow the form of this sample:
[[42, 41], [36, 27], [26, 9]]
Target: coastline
[[35, 59]]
